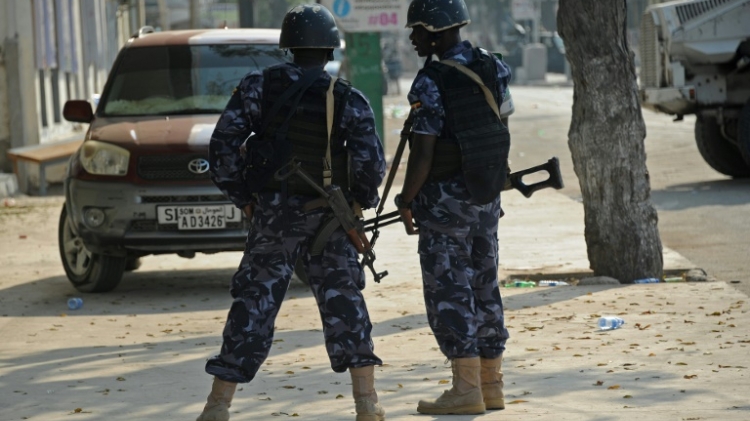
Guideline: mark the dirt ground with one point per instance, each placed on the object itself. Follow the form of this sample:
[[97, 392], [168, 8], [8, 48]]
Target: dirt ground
[[138, 352]]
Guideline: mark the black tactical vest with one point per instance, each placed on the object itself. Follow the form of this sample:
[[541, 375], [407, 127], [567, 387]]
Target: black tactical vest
[[474, 140], [306, 138]]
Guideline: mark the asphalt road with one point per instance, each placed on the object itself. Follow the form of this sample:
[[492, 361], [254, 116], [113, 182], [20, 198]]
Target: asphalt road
[[703, 215]]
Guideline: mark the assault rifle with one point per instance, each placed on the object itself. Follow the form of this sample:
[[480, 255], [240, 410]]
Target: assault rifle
[[513, 181], [344, 216]]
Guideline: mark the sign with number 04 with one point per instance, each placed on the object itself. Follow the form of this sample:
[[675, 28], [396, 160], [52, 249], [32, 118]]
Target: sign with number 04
[[368, 15]]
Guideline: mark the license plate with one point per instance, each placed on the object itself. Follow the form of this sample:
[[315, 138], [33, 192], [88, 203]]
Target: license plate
[[206, 217]]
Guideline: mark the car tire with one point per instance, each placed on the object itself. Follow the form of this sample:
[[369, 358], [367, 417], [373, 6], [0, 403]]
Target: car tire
[[743, 132], [87, 271], [718, 152]]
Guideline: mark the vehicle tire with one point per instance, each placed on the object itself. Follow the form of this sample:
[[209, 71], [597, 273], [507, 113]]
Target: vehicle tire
[[718, 152], [87, 271], [743, 132], [299, 272]]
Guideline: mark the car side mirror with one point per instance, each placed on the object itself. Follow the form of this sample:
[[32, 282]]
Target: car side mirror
[[78, 111]]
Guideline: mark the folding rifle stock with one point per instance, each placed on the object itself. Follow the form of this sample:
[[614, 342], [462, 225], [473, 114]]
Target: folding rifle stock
[[513, 181]]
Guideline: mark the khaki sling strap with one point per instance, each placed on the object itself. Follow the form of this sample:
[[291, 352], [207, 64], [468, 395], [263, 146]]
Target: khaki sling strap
[[327, 172]]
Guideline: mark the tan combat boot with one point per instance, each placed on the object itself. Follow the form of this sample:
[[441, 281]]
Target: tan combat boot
[[218, 402], [492, 383], [365, 397], [465, 397]]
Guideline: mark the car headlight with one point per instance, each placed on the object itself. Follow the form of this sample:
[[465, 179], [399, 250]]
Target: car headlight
[[104, 159]]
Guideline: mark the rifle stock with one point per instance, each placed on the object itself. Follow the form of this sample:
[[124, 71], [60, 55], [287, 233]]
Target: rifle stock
[[554, 180], [343, 213], [513, 181]]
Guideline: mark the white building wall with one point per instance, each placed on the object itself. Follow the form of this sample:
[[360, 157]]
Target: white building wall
[[51, 51], [17, 87]]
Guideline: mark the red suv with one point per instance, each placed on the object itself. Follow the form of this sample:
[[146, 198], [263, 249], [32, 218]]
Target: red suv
[[139, 184]]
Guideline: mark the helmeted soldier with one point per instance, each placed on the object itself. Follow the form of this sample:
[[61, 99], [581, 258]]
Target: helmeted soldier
[[287, 107], [456, 170]]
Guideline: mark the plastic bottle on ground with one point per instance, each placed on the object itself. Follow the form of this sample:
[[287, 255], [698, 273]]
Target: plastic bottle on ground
[[610, 322], [552, 283], [75, 303], [646, 281], [521, 284]]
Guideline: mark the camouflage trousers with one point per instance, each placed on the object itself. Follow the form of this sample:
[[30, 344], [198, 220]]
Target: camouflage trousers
[[258, 287], [458, 252]]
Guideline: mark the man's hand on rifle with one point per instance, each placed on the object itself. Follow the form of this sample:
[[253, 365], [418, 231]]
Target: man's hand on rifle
[[404, 209]]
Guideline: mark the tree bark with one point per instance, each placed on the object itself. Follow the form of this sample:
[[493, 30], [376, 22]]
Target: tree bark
[[606, 139]]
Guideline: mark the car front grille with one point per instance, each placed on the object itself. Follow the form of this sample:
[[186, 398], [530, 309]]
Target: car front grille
[[690, 11], [169, 167], [650, 74]]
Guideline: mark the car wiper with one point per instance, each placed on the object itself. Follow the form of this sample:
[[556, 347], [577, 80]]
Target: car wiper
[[191, 111]]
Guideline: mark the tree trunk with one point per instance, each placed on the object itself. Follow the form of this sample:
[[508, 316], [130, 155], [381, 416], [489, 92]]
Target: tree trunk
[[606, 139]]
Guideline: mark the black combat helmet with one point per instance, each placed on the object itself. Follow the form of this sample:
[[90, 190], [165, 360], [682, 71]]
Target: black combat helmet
[[309, 26], [437, 15]]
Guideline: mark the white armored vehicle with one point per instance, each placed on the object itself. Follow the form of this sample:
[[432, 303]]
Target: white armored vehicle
[[695, 59]]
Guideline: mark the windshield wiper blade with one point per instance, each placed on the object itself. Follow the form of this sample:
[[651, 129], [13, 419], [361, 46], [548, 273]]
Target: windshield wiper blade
[[191, 111]]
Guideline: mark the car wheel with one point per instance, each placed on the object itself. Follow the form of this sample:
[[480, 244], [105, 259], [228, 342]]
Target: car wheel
[[87, 271], [743, 132], [718, 152]]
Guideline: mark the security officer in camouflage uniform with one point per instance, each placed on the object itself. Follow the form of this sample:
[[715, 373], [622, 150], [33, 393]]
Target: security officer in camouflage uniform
[[285, 219], [457, 222]]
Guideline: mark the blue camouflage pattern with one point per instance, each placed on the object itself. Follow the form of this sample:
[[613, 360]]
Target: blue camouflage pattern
[[429, 115], [242, 116], [258, 287], [281, 232], [458, 244]]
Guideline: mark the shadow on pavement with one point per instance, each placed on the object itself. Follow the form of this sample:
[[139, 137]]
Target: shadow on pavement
[[141, 292], [707, 193]]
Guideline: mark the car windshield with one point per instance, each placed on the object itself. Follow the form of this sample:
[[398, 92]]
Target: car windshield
[[182, 79]]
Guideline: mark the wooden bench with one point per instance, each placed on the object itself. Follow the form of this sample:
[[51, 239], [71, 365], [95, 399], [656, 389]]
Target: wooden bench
[[44, 155]]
